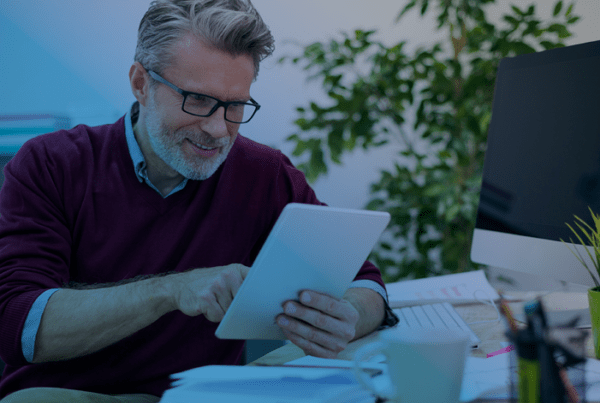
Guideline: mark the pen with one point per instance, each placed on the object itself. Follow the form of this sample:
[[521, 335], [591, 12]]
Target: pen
[[506, 349], [572, 394], [507, 313]]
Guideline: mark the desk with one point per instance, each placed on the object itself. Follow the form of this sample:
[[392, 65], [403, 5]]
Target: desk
[[490, 334]]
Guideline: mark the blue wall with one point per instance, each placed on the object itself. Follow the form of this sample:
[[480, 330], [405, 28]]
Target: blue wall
[[32, 81]]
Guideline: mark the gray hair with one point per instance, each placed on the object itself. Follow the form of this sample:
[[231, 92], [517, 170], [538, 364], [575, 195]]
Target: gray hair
[[233, 26]]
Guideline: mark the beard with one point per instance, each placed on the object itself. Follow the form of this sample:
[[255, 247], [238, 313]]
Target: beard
[[168, 145]]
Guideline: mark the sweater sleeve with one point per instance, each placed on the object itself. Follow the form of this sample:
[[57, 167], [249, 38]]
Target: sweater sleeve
[[35, 241]]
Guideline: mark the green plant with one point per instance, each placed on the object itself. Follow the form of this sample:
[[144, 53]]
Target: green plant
[[593, 236], [437, 102]]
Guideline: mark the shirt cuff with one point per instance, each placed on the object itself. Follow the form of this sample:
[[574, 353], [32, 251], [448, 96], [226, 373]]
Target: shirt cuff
[[371, 285], [390, 319], [32, 323]]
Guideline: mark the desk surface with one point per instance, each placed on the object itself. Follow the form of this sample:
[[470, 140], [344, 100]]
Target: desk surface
[[491, 334]]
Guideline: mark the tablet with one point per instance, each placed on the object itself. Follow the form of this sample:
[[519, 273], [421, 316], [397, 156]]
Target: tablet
[[310, 247]]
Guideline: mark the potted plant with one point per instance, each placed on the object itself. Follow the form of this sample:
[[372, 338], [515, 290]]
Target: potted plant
[[592, 234]]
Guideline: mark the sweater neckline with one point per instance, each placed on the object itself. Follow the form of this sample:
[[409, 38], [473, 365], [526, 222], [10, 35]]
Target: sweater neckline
[[142, 190]]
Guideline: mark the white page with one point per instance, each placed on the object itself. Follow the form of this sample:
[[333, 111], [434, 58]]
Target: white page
[[486, 377], [482, 377], [265, 384], [225, 372], [592, 378], [455, 288], [375, 362]]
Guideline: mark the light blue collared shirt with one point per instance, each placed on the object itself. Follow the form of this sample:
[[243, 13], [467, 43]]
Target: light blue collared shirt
[[32, 322], [139, 163]]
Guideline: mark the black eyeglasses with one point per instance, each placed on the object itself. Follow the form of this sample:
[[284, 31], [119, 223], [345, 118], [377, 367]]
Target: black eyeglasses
[[205, 105]]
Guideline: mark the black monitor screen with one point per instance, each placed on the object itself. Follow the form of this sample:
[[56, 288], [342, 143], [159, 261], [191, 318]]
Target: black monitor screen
[[542, 162]]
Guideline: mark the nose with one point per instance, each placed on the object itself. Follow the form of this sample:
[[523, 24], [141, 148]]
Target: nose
[[215, 124]]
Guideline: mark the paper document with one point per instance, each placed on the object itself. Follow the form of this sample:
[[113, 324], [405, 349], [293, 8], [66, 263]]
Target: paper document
[[375, 362], [454, 288], [251, 384], [592, 379], [483, 376], [486, 378]]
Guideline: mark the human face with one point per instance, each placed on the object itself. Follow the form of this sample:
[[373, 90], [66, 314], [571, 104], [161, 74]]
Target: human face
[[194, 146]]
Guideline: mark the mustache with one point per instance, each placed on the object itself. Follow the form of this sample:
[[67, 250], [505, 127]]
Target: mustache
[[204, 139]]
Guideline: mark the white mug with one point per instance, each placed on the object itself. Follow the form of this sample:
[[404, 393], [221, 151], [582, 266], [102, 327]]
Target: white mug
[[424, 365]]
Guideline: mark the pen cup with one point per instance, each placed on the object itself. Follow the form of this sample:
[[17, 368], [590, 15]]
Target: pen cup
[[424, 365], [528, 369], [525, 375]]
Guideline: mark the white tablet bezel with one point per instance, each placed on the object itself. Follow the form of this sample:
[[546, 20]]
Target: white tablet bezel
[[312, 247]]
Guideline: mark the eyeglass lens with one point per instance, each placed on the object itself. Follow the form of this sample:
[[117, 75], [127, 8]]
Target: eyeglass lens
[[202, 105]]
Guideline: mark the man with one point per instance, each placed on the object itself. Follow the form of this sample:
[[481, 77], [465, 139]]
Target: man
[[122, 246]]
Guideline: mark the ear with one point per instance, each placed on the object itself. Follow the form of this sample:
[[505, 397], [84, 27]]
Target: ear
[[139, 81]]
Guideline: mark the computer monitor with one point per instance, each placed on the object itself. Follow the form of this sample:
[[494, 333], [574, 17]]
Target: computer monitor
[[542, 163]]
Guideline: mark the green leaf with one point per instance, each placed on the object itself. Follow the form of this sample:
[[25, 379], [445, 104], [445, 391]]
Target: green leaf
[[557, 8], [300, 148], [444, 154], [549, 45], [424, 7], [591, 236], [530, 11], [575, 252], [434, 190], [517, 10], [375, 204], [569, 9], [335, 142], [560, 29], [385, 246], [521, 48], [512, 20], [406, 9], [596, 219], [452, 212]]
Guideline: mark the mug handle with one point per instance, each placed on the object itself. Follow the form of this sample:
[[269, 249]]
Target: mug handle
[[368, 350]]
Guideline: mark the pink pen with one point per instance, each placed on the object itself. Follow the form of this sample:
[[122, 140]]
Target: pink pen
[[501, 351]]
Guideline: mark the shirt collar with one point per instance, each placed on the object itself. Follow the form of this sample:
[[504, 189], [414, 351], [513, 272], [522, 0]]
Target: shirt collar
[[139, 163]]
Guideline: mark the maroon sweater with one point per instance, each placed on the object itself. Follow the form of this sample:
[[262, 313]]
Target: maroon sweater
[[72, 209]]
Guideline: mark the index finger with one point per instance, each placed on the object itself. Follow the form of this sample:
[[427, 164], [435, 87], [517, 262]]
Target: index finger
[[238, 283], [324, 303], [244, 270]]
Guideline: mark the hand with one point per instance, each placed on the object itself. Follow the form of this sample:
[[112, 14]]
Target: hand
[[320, 325], [207, 292]]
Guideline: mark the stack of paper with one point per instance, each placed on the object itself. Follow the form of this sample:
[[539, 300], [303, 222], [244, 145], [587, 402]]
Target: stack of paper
[[483, 377], [454, 288], [248, 384], [318, 382]]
